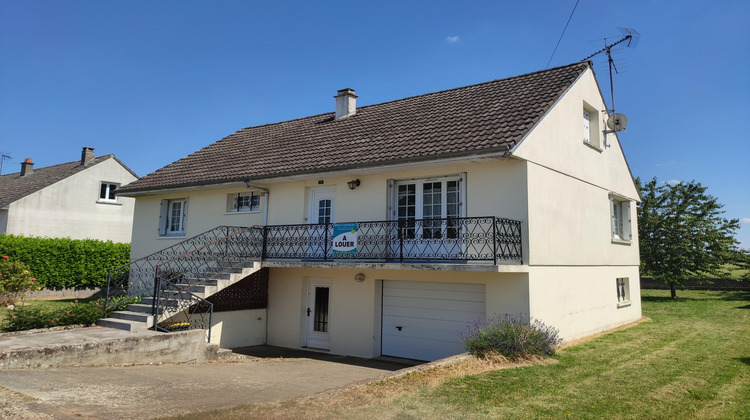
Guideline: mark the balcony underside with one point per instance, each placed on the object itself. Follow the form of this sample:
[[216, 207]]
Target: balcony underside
[[472, 266]]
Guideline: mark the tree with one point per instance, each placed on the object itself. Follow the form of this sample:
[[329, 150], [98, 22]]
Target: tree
[[682, 233]]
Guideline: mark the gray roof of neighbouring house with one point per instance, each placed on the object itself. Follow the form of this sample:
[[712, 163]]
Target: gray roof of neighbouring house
[[13, 186], [478, 119]]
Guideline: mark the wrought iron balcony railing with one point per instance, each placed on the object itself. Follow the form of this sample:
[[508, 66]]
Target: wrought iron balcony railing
[[448, 239]]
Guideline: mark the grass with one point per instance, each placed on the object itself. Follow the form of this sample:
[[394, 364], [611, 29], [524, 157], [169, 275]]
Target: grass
[[691, 361], [44, 304]]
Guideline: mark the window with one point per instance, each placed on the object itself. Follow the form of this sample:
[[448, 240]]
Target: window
[[623, 291], [590, 127], [172, 217], [243, 202], [107, 191], [619, 209], [433, 200]]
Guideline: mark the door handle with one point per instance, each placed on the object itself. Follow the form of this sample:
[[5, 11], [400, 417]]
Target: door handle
[[308, 311], [399, 328]]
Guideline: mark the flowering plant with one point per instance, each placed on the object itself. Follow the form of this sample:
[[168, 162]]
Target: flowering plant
[[15, 281], [515, 337]]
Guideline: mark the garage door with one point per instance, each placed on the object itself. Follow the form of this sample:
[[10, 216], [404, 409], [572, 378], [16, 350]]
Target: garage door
[[423, 320]]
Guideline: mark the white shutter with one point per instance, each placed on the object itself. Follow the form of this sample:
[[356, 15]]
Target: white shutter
[[392, 199], [627, 226], [586, 125], [612, 219], [163, 211], [184, 215]]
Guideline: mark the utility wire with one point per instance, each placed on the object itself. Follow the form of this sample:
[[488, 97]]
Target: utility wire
[[563, 33]]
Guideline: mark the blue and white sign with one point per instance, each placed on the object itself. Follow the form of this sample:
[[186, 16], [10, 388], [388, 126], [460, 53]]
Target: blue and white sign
[[345, 238]]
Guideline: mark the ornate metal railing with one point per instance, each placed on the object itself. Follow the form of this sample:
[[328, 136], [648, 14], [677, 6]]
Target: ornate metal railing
[[447, 239]]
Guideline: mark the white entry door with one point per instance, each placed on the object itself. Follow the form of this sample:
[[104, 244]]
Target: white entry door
[[321, 211], [423, 320], [318, 303]]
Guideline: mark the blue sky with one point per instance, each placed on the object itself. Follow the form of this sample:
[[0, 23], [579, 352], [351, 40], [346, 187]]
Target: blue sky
[[152, 81]]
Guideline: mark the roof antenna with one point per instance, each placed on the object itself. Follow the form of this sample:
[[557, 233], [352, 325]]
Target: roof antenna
[[616, 122], [3, 158]]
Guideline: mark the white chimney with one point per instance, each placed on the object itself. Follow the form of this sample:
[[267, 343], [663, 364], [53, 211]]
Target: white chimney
[[346, 103]]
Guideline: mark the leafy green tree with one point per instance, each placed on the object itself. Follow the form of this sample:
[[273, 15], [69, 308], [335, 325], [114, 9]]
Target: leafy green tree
[[682, 233]]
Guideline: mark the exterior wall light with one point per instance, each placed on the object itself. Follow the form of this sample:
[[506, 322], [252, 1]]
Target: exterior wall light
[[353, 184], [359, 277]]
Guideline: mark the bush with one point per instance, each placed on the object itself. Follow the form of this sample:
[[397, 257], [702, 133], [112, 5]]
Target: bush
[[21, 319], [511, 336], [75, 313], [15, 281], [62, 262]]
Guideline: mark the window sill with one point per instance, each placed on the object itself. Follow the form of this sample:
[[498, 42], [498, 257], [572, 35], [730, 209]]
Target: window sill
[[111, 203], [593, 146], [171, 236], [241, 212], [623, 304], [621, 241]]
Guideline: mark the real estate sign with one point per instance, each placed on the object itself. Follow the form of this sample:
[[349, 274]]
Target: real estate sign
[[345, 238]]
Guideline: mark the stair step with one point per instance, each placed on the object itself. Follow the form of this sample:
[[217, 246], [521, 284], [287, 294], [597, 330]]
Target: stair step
[[122, 324], [141, 308], [133, 316]]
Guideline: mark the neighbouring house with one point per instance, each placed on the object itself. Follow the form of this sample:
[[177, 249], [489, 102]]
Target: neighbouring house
[[385, 229], [71, 200]]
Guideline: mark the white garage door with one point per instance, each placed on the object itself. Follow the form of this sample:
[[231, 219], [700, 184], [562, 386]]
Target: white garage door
[[422, 320]]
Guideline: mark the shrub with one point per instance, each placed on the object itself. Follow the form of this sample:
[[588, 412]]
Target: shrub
[[76, 313], [15, 281], [62, 262], [514, 337]]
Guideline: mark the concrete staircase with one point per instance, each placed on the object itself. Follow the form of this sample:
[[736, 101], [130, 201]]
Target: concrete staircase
[[138, 317]]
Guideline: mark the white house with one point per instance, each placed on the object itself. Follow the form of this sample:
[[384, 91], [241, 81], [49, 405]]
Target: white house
[[503, 197], [71, 200]]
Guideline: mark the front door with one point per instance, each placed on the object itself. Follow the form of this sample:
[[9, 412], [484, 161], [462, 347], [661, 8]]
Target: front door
[[318, 302], [427, 211], [321, 213]]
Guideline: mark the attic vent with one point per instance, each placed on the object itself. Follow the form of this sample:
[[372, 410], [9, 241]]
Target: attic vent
[[346, 103]]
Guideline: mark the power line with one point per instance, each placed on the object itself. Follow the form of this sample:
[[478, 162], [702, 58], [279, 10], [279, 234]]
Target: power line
[[563, 33]]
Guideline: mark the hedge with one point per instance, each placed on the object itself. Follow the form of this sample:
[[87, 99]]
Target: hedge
[[62, 262]]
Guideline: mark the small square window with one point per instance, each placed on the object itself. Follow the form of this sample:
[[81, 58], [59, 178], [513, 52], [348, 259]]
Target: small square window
[[623, 291], [243, 202], [591, 133], [107, 191]]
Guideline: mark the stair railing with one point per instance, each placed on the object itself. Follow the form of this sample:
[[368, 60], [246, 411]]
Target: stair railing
[[137, 279]]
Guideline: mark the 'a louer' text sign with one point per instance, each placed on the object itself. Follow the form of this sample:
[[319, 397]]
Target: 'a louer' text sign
[[345, 238]]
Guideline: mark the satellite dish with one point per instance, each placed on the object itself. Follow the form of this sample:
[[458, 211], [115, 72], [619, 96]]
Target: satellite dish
[[617, 122]]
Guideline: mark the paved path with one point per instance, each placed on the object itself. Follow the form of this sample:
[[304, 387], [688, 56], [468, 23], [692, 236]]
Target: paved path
[[141, 392]]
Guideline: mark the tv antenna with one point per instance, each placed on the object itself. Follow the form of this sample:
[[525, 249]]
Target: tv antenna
[[616, 122], [3, 158]]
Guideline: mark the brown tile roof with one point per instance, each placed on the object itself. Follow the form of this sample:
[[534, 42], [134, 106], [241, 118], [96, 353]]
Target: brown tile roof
[[483, 118], [13, 187]]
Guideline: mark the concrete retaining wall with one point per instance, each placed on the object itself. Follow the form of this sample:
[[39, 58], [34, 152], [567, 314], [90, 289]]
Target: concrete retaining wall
[[103, 347]]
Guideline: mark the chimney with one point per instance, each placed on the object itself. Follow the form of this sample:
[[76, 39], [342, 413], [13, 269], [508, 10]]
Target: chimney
[[86, 155], [346, 103], [27, 167]]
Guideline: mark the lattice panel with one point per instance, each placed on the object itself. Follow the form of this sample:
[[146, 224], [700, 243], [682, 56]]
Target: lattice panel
[[249, 293]]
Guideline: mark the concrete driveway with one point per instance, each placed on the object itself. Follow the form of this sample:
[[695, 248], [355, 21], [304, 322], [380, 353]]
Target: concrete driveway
[[141, 392]]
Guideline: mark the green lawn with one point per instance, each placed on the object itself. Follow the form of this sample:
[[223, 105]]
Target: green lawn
[[691, 361]]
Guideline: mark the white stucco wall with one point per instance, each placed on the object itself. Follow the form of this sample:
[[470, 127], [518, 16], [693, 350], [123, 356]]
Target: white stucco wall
[[71, 207], [557, 142], [581, 301], [232, 329], [354, 311]]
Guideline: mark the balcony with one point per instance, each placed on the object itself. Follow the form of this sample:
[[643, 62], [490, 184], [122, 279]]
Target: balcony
[[451, 240]]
